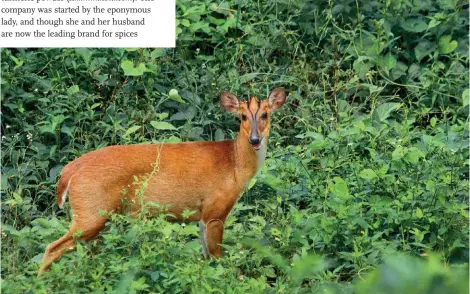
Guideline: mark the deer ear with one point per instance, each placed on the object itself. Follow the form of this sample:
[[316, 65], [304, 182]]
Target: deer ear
[[229, 102], [277, 97]]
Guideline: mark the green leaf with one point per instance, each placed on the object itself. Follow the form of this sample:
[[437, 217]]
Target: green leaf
[[46, 129], [383, 111], [398, 153], [173, 94], [178, 31], [413, 155], [306, 267], [465, 97], [186, 113], [131, 234], [85, 53], [373, 88], [433, 23], [158, 52], [318, 142], [18, 62], [387, 62], [95, 105], [18, 198], [423, 49], [273, 182], [173, 139], [161, 116], [130, 70], [414, 71], [54, 172], [73, 90], [219, 135], [139, 284], [58, 119], [167, 231], [67, 130], [447, 45], [161, 125], [200, 25], [398, 71], [257, 40], [252, 183], [131, 130], [340, 188], [248, 77], [185, 23], [362, 67], [125, 282], [382, 171], [419, 213], [414, 25], [368, 174], [265, 251]]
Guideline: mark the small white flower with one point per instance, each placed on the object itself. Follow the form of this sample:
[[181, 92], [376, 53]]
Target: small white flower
[[203, 66]]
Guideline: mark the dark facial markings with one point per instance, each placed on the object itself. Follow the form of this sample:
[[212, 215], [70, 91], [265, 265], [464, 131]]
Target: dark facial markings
[[248, 107], [254, 136]]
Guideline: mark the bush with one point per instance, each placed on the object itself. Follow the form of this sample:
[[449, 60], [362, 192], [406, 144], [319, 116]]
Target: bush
[[369, 156]]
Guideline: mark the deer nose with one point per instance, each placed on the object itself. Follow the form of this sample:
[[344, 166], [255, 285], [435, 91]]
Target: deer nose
[[254, 140]]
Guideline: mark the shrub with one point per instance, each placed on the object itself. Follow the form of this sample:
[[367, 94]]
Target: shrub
[[369, 157]]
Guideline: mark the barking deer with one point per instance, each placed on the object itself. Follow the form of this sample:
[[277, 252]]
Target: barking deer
[[205, 177]]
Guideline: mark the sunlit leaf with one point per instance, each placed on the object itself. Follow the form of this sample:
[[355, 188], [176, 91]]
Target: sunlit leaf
[[414, 25], [383, 111], [131, 130], [447, 45], [162, 125]]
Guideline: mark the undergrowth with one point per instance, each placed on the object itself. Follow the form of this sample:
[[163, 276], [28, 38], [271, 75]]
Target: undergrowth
[[365, 187]]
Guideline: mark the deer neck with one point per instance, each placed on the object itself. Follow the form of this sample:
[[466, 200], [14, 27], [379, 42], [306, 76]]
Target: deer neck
[[248, 160]]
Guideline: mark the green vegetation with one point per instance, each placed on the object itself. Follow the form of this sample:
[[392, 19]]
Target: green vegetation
[[366, 181]]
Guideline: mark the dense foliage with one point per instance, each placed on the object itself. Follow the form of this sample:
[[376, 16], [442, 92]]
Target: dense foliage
[[368, 158]]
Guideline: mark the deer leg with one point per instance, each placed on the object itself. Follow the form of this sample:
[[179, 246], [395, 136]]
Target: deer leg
[[56, 249], [202, 236], [213, 233], [67, 243]]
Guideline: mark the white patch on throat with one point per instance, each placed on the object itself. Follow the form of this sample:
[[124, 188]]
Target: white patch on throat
[[261, 153]]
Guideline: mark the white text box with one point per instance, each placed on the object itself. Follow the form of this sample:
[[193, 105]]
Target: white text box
[[87, 23]]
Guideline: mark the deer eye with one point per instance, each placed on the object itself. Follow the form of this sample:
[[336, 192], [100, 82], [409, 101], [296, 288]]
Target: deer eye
[[243, 117], [264, 116]]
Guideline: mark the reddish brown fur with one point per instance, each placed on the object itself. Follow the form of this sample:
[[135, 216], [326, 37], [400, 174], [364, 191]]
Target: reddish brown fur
[[206, 177]]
